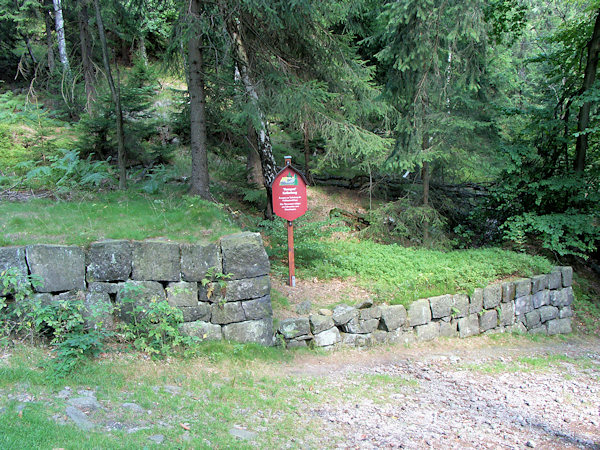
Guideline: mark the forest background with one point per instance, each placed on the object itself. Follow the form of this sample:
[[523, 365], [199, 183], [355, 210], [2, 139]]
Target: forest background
[[466, 124]]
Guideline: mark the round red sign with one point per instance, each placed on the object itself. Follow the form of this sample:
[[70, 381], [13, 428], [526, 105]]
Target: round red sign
[[289, 194]]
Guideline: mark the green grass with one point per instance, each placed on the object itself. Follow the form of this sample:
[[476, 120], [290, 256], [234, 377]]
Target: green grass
[[213, 398], [401, 275], [113, 215], [531, 364]]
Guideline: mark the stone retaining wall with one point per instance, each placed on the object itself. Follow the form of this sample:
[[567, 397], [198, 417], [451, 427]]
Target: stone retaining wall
[[541, 304], [235, 306]]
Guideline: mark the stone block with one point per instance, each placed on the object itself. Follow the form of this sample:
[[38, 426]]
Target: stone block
[[201, 312], [137, 295], [392, 317], [203, 330], [559, 326], [327, 338], [319, 323], [539, 329], [488, 320], [374, 312], [570, 297], [257, 331], [225, 313], [567, 275], [565, 312], [492, 295], [197, 260], [296, 344], [548, 313], [522, 287], [555, 279], [476, 301], [428, 332], [523, 305], [106, 288], [508, 291], [468, 326], [156, 261], [507, 314], [244, 289], [460, 305], [449, 329], [182, 293], [539, 283], [401, 336], [356, 340], [533, 319], [561, 297], [342, 314], [541, 298], [98, 311], [258, 308], [109, 260], [364, 304], [13, 257], [369, 325], [441, 306], [244, 256], [60, 267], [419, 312], [293, 328], [380, 337], [517, 328]]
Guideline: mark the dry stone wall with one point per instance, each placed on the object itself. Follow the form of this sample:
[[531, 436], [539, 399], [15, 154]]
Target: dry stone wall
[[541, 304], [234, 305]]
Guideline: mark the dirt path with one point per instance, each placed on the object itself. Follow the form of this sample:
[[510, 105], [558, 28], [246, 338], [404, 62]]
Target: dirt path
[[464, 394]]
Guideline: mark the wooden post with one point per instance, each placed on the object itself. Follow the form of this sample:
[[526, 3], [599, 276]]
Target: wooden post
[[291, 263]]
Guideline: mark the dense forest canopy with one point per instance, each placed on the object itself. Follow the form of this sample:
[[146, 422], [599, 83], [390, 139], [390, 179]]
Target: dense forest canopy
[[476, 121]]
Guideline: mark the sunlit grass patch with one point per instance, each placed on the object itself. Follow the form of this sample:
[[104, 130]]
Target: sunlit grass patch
[[113, 215]]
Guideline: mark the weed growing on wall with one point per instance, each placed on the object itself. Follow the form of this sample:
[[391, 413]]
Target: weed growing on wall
[[74, 331], [152, 325]]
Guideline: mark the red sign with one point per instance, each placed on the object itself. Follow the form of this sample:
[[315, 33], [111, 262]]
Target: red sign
[[289, 193]]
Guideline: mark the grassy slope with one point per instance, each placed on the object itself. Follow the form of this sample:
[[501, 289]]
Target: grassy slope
[[112, 215]]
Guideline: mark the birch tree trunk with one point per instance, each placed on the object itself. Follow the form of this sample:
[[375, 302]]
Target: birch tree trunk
[[265, 148], [116, 95], [60, 35], [199, 179]]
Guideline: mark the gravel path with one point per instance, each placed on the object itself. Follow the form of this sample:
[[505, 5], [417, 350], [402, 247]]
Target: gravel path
[[542, 396]]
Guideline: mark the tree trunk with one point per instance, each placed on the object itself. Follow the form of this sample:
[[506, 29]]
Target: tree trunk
[[49, 43], [584, 112], [253, 165], [199, 180], [265, 149], [143, 52], [86, 55], [60, 35], [426, 176], [116, 95]]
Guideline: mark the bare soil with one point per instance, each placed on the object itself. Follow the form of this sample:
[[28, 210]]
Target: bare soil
[[473, 393]]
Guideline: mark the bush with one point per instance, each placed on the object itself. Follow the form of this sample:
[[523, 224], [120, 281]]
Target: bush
[[153, 326], [403, 222], [61, 321]]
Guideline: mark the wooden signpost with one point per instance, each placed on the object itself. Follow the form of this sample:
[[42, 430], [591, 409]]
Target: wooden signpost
[[289, 203]]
